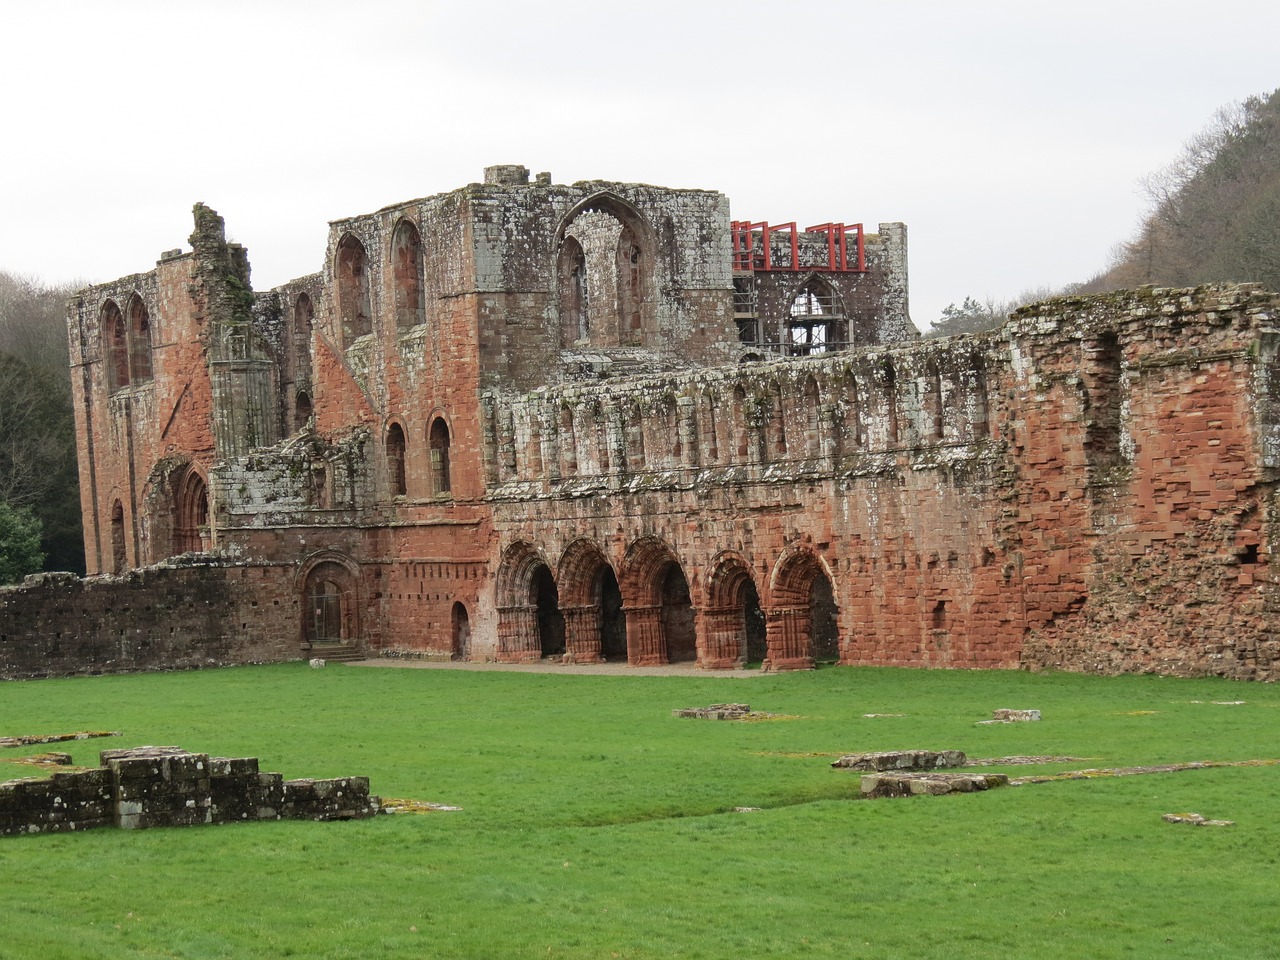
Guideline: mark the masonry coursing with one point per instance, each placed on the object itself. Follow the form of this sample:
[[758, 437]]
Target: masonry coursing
[[524, 419]]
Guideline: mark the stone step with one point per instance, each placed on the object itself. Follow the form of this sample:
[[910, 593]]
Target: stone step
[[337, 653]]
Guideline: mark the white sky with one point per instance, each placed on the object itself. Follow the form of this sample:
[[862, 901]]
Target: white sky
[[1009, 136]]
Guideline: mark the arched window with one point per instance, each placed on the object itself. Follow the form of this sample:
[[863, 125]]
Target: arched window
[[301, 410], [115, 346], [191, 523], [139, 341], [304, 316], [438, 441], [119, 561], [407, 277], [816, 322], [572, 270], [352, 272], [629, 277], [395, 459]]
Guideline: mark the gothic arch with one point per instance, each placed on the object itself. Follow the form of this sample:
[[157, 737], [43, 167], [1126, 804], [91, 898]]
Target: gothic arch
[[530, 624], [351, 271], [407, 276], [115, 345], [397, 453], [658, 605], [606, 285], [591, 602], [816, 321], [328, 585], [438, 450], [191, 532], [801, 614], [733, 624], [139, 340]]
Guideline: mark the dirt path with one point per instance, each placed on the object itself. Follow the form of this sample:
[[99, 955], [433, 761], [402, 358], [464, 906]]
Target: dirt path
[[584, 669]]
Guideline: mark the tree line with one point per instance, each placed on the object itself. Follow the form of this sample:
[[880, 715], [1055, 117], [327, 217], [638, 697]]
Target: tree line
[[1213, 216], [39, 487]]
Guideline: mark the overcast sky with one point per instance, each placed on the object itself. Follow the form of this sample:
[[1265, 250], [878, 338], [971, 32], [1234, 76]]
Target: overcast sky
[[1008, 136]]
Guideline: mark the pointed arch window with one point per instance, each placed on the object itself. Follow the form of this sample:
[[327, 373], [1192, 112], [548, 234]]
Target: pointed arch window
[[115, 346], [572, 269], [407, 276], [395, 460], [352, 269], [438, 441], [816, 321], [139, 336]]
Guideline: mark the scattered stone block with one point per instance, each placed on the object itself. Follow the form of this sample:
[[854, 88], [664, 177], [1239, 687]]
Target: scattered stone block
[[717, 711], [901, 760], [316, 663], [1196, 820], [1012, 716], [876, 785]]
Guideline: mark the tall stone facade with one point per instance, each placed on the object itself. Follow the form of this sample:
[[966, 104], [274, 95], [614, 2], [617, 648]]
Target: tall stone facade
[[604, 421]]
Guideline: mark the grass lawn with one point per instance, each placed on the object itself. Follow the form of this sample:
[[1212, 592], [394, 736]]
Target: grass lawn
[[594, 824]]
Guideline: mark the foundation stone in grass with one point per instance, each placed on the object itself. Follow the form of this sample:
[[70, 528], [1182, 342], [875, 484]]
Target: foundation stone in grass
[[717, 711], [901, 760], [928, 784]]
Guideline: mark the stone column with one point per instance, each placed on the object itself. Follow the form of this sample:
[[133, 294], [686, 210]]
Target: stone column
[[721, 638], [582, 634], [518, 634], [787, 634], [646, 646]]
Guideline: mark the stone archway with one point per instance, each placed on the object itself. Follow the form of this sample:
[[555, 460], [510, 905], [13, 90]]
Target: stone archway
[[460, 633], [330, 602], [529, 616], [592, 605], [734, 624], [661, 620], [801, 618]]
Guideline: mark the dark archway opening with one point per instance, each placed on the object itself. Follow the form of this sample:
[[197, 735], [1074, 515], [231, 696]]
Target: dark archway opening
[[613, 624], [822, 620], [118, 558], [753, 623], [678, 617], [550, 619], [460, 646]]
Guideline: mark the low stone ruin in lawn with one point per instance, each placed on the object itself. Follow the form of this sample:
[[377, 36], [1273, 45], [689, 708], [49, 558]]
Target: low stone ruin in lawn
[[717, 711], [909, 773], [171, 787], [902, 760]]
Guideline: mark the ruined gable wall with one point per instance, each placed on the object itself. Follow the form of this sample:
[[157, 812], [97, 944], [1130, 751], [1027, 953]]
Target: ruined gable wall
[[1155, 554], [122, 434], [687, 306]]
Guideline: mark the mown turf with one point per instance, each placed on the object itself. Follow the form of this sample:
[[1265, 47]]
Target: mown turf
[[595, 824]]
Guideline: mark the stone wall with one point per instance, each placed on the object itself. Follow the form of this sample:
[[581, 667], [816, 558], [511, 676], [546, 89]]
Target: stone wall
[[146, 787], [175, 616]]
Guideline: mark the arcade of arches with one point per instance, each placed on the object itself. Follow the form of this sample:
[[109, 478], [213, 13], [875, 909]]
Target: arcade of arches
[[655, 609]]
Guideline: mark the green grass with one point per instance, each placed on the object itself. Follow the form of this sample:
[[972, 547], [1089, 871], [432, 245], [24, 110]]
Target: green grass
[[596, 825]]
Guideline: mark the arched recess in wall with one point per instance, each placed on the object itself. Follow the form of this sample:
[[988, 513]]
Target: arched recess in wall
[[592, 604], [802, 614], [853, 434], [931, 408], [571, 280], [979, 399], [1104, 396], [438, 448], [530, 624], [740, 428], [735, 624], [191, 533], [605, 260], [890, 381], [351, 267], [139, 341], [301, 410], [397, 477], [119, 555], [812, 421], [329, 588], [114, 334], [304, 318], [816, 321], [460, 632], [658, 603], [407, 279]]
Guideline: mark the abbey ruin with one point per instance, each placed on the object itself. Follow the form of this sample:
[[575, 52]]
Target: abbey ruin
[[607, 421]]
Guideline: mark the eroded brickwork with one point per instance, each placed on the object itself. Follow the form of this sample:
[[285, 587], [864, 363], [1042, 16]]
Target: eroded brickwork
[[596, 421]]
